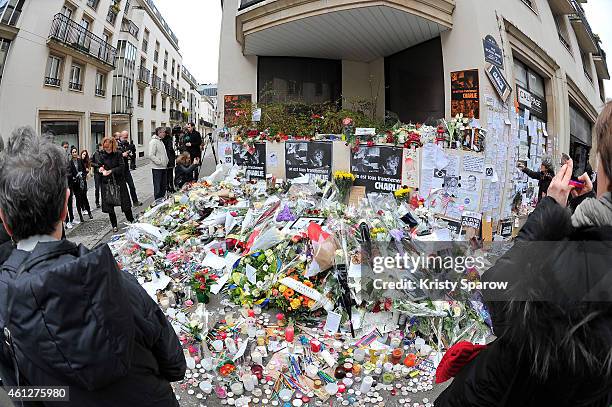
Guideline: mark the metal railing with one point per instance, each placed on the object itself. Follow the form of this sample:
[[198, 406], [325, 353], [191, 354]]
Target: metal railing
[[166, 88], [52, 81], [144, 75], [100, 92], [156, 83], [71, 34], [128, 26], [75, 86], [176, 115], [580, 14], [588, 75], [111, 17]]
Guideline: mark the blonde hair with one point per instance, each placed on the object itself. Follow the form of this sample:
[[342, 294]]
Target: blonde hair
[[184, 159], [109, 142]]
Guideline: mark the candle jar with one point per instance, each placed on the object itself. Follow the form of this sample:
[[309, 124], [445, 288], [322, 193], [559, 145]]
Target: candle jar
[[206, 387], [237, 388], [368, 368], [257, 370], [257, 357], [315, 346], [366, 384], [388, 377], [261, 338], [388, 366], [249, 382], [340, 373], [289, 333], [359, 354], [220, 391], [331, 389], [356, 369], [396, 356]]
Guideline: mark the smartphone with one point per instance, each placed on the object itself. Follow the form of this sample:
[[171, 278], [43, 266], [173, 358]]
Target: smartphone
[[577, 184], [564, 158]]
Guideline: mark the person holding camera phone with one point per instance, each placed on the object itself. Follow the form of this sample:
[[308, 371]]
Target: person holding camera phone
[[544, 176]]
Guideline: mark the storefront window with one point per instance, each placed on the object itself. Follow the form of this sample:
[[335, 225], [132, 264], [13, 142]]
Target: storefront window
[[299, 80], [581, 139], [98, 129], [62, 131]]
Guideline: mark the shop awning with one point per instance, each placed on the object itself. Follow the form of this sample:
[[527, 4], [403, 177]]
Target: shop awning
[[353, 30]]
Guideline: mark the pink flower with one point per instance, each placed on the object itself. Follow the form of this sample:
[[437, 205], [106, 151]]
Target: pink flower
[[280, 316], [188, 303], [347, 121]]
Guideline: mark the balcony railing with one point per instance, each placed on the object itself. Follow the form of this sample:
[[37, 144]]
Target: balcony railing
[[166, 88], [111, 17], [71, 34], [52, 81], [156, 83], [75, 86], [93, 3], [176, 115], [100, 92], [128, 26], [144, 75]]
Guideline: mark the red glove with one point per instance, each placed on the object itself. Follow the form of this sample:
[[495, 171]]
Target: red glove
[[455, 358]]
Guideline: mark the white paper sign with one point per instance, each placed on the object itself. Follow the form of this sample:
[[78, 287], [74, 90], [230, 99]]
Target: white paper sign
[[308, 292], [332, 323], [251, 273], [473, 163]]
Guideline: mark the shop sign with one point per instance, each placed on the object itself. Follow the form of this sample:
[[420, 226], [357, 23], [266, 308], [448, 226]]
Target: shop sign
[[492, 51], [378, 168], [254, 160], [536, 105], [465, 94], [308, 157], [499, 82]]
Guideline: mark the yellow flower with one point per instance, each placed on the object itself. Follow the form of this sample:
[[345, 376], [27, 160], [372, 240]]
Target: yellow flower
[[282, 288], [295, 303]]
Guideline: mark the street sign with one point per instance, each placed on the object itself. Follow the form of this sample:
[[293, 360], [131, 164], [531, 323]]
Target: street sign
[[499, 82], [492, 51]]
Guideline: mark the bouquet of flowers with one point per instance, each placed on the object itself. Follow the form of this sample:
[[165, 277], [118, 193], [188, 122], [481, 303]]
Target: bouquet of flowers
[[292, 303], [403, 194], [344, 182], [201, 283], [253, 278]]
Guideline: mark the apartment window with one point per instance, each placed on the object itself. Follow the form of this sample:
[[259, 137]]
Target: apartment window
[[10, 11], [154, 101], [140, 97], [111, 17], [76, 80], [163, 124], [84, 40], [153, 127], [581, 139], [164, 100], [530, 4], [4, 48], [145, 41], [178, 72], [173, 66], [562, 31], [156, 54], [140, 133], [100, 84], [54, 71], [93, 4], [586, 64], [166, 60], [67, 11]]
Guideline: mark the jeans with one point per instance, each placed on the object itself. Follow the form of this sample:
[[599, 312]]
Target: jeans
[[113, 217], [131, 186], [70, 216], [160, 182], [170, 177], [98, 182]]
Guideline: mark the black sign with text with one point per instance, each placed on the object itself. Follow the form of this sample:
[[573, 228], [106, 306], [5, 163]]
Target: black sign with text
[[377, 168], [492, 51], [253, 159], [308, 157]]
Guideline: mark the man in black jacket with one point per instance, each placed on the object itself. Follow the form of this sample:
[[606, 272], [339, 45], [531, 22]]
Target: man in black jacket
[[544, 176], [126, 152], [171, 159], [193, 144], [73, 317]]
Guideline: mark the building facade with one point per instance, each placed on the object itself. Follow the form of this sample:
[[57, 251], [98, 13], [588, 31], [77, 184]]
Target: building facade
[[83, 69], [404, 57]]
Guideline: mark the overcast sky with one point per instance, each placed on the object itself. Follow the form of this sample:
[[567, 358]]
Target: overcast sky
[[197, 23]]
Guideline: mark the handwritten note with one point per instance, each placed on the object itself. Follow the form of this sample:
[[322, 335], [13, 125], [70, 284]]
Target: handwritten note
[[473, 163]]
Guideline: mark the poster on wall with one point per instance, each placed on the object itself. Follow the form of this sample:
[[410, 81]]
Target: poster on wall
[[308, 157], [226, 152], [254, 161], [465, 94], [410, 168], [378, 168], [233, 106]]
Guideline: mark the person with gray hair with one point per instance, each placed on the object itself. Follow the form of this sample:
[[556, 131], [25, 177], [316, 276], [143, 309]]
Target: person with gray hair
[[69, 316]]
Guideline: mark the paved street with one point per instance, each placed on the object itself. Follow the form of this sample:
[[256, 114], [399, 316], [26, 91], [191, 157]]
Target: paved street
[[93, 232]]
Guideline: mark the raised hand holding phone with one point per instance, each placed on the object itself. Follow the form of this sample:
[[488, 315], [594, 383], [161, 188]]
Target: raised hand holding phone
[[560, 187], [587, 186]]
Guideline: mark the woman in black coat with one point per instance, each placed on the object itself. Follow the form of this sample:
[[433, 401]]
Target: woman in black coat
[[185, 171], [554, 321], [171, 159], [111, 169], [544, 176]]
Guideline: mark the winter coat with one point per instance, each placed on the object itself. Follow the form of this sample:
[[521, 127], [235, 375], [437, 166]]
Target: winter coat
[[77, 167], [554, 318], [114, 163], [170, 151], [124, 147], [157, 154], [196, 142], [4, 236], [544, 180], [77, 320], [183, 175]]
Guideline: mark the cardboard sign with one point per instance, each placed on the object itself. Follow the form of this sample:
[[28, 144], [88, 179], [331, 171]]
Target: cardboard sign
[[308, 157], [506, 228], [254, 161], [377, 168], [470, 220], [465, 93]]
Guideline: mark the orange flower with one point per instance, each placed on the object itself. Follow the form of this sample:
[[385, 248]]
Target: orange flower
[[288, 293], [308, 283]]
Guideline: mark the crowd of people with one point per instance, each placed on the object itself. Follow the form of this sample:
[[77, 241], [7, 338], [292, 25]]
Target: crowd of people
[[70, 317]]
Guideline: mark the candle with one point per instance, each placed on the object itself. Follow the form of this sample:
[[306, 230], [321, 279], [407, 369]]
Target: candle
[[285, 395], [220, 391], [388, 377], [331, 388], [388, 366], [206, 387], [366, 384], [289, 333], [249, 381], [217, 345], [396, 356], [237, 388], [231, 345], [315, 346], [257, 357], [257, 370], [356, 369], [328, 358], [207, 364], [359, 354]]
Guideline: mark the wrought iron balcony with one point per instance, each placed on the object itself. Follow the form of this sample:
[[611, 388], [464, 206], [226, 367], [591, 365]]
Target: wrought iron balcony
[[156, 83], [166, 88], [53, 81], [75, 86], [70, 34], [582, 28], [100, 92], [176, 115], [144, 75], [128, 26]]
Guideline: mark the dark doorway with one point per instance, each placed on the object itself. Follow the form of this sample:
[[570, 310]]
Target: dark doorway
[[414, 80]]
